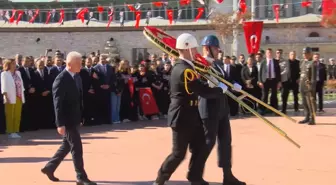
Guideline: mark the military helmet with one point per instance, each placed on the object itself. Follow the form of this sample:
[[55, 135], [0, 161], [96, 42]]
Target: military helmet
[[186, 41], [307, 50], [210, 40]]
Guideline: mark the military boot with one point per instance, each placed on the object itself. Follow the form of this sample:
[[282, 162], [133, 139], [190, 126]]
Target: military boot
[[159, 181], [230, 179], [312, 122], [306, 120]]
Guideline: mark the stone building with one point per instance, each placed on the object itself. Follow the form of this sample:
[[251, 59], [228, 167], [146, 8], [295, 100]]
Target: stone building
[[290, 34]]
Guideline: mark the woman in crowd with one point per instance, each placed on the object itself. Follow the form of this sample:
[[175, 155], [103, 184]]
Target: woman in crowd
[[123, 89], [145, 80], [166, 88], [13, 92], [249, 75]]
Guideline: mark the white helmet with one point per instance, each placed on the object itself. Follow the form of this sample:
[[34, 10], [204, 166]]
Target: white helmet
[[186, 41]]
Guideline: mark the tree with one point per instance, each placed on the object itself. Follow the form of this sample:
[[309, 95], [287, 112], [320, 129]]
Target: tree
[[227, 24], [288, 33]]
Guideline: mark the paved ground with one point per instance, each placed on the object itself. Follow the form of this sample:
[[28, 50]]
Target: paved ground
[[130, 154]]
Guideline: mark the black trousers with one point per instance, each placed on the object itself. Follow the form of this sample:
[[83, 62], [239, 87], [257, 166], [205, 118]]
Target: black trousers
[[319, 93], [90, 109], [220, 130], [103, 107], [270, 84], [234, 106], [72, 142], [182, 138], [286, 87]]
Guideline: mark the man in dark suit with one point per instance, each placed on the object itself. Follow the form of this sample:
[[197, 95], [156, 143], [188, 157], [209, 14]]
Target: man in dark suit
[[249, 75], [2, 109], [269, 78], [43, 100], [183, 115], [331, 68], [321, 77], [67, 96], [232, 76], [290, 77], [57, 68], [105, 81], [87, 74], [28, 121], [214, 113]]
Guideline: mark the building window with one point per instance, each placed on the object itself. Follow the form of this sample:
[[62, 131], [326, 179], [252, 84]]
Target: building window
[[296, 8], [257, 10], [189, 13], [282, 11], [130, 16], [314, 34], [269, 9], [310, 9]]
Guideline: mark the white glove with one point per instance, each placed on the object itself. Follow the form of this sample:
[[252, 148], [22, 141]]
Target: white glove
[[237, 87], [212, 85], [212, 81], [223, 86]]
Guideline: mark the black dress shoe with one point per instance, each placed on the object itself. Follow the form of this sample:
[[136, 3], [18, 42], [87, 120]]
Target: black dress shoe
[[50, 175], [201, 182], [85, 182], [232, 181], [304, 121]]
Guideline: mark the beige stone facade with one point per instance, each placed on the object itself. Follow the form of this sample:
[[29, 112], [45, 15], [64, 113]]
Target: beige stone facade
[[289, 34], [84, 42]]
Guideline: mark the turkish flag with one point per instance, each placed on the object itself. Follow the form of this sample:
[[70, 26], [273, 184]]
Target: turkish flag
[[253, 31], [328, 13], [147, 101]]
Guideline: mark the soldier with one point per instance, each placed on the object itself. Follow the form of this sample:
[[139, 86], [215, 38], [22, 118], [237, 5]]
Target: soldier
[[183, 115], [214, 113], [307, 86]]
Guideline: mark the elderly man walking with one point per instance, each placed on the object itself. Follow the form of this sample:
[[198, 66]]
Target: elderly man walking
[[67, 97]]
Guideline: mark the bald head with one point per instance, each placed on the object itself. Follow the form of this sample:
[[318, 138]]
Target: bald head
[[74, 61]]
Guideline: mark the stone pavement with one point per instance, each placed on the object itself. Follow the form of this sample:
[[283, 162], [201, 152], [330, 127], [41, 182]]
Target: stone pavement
[[130, 154]]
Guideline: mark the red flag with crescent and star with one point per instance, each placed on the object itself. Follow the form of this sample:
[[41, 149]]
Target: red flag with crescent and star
[[147, 101], [253, 31]]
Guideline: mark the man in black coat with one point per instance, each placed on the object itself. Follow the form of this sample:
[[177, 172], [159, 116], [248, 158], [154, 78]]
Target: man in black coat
[[106, 84], [29, 114], [183, 115], [269, 78], [67, 95], [88, 75], [292, 83], [2, 111], [321, 77], [214, 113]]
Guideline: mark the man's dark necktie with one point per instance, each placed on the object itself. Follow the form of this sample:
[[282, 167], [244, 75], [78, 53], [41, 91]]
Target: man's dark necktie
[[270, 69], [27, 72], [77, 81]]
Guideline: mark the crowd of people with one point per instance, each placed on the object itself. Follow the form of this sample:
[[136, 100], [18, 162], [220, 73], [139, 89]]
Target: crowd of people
[[26, 85], [252, 74], [107, 95]]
